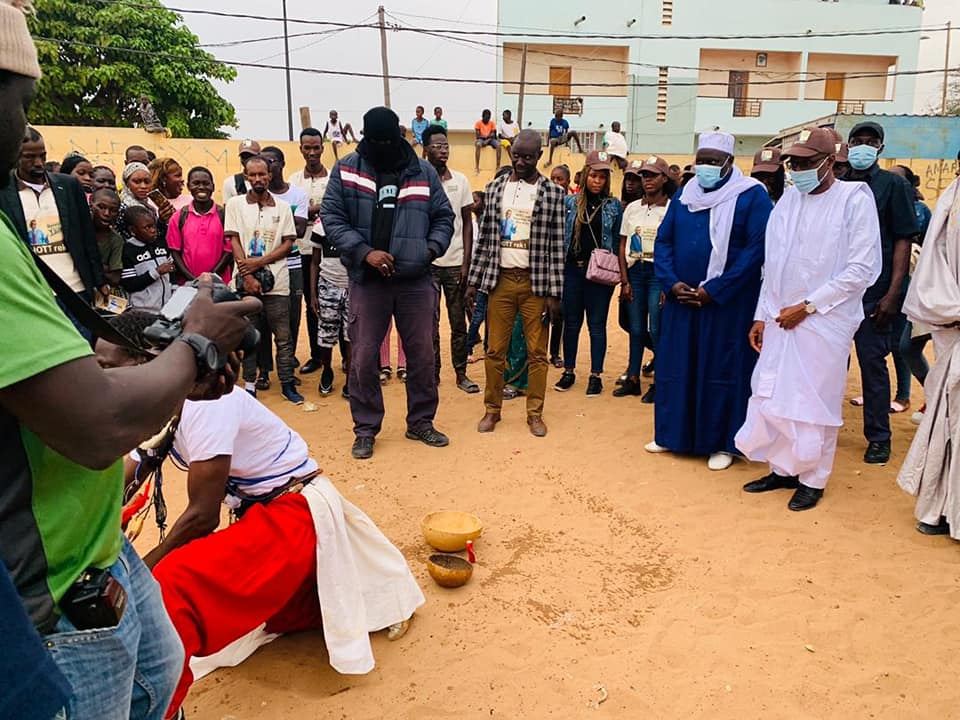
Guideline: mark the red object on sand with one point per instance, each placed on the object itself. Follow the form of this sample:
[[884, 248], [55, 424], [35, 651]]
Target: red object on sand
[[470, 556]]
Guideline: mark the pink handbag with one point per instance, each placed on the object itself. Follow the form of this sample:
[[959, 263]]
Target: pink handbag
[[604, 267]]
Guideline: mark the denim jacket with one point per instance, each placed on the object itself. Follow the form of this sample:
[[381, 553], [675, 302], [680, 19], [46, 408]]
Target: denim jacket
[[611, 214]]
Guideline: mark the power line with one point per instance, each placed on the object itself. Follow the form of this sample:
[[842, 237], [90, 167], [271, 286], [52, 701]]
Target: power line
[[466, 81], [576, 36]]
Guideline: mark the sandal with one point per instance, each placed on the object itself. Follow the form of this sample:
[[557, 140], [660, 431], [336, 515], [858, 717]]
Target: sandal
[[468, 386], [898, 407], [857, 401]]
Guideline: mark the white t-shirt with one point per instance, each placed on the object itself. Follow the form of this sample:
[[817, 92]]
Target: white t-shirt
[[331, 270], [616, 144], [230, 188], [45, 233], [517, 205], [260, 445], [315, 188], [260, 231], [298, 201], [639, 226], [460, 196], [509, 130]]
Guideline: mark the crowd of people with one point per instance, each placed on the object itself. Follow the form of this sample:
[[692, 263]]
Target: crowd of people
[[749, 291]]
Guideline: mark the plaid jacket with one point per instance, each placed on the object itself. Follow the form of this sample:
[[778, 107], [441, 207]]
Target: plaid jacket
[[546, 240]]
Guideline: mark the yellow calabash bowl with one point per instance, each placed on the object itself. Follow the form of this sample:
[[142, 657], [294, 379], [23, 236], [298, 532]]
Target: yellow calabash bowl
[[449, 571], [449, 530]]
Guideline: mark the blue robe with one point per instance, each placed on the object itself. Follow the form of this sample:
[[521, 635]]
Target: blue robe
[[704, 359]]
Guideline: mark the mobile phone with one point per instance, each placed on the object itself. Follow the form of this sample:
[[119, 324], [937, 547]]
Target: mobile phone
[[158, 197], [177, 305]]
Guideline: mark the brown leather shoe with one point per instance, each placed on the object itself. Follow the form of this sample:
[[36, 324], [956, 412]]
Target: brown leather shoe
[[488, 422], [538, 428]]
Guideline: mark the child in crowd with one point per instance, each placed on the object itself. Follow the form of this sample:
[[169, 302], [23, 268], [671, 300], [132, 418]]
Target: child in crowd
[[385, 370], [104, 210], [147, 265]]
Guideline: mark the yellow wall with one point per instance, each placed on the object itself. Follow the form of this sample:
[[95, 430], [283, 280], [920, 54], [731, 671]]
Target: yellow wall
[[589, 63], [106, 146]]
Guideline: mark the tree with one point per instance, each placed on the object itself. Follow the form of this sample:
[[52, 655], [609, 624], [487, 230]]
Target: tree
[[98, 57]]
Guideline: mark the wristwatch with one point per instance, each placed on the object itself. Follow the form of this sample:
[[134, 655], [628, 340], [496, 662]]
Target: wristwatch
[[206, 352], [809, 307]]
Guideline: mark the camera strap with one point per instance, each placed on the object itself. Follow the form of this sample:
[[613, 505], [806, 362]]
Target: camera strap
[[81, 310]]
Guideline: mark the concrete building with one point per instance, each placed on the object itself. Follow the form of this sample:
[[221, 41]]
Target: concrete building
[[640, 62]]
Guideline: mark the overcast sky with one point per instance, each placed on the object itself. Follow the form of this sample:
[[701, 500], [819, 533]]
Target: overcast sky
[[259, 94]]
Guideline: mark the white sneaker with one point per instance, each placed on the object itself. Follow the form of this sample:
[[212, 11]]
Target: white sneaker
[[720, 461], [652, 447], [917, 417]]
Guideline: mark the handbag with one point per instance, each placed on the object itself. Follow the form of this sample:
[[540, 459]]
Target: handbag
[[604, 267]]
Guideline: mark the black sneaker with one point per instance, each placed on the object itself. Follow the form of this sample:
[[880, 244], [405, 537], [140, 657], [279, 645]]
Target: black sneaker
[[594, 386], [263, 382], [289, 391], [628, 387], [362, 448], [650, 396], [566, 381], [310, 366], [429, 436], [326, 381], [877, 453], [345, 392], [649, 369]]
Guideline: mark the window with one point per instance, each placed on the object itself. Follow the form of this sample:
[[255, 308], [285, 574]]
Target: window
[[662, 95], [666, 17], [560, 78]]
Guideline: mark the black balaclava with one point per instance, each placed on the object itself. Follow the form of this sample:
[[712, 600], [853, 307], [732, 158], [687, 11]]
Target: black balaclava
[[381, 132]]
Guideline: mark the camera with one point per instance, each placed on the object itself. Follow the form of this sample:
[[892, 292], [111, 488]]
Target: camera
[[169, 326], [95, 600]]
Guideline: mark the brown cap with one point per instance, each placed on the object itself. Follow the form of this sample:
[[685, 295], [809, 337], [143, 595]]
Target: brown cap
[[813, 141], [766, 160], [842, 153], [598, 160], [634, 168], [249, 147], [655, 164]]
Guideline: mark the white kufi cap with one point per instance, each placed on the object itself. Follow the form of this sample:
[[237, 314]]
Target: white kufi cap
[[724, 142]]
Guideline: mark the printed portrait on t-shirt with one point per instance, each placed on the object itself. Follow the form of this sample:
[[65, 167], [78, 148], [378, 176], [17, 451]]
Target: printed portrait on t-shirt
[[257, 247], [636, 242], [45, 235], [508, 226]]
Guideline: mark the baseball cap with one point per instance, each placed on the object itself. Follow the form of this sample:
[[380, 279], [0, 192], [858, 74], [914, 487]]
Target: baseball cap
[[634, 168], [867, 126], [249, 147], [598, 160], [766, 160], [813, 141], [655, 164]]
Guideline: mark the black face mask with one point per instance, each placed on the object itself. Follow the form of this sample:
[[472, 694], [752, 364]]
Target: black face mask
[[383, 156]]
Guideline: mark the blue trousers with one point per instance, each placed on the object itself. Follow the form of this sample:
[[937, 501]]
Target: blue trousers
[[128, 671], [584, 297], [873, 346], [645, 306]]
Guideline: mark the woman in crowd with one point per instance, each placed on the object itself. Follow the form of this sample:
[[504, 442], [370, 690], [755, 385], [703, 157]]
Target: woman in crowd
[[79, 167], [768, 169], [103, 177], [592, 225], [639, 288], [631, 189], [166, 175], [560, 175], [137, 187]]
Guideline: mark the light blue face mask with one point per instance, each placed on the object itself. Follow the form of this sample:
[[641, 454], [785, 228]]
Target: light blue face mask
[[709, 176], [806, 181], [862, 157]]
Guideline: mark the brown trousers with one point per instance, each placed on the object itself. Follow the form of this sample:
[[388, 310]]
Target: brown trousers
[[513, 294]]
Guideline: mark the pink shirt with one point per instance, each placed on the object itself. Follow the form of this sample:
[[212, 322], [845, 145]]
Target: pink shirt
[[202, 242]]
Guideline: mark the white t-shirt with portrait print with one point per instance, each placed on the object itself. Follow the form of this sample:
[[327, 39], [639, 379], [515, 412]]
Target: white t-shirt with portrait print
[[516, 208], [260, 230], [640, 225], [45, 233]]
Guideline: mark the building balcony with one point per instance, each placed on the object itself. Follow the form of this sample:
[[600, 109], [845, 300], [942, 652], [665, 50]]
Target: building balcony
[[747, 108], [851, 107]]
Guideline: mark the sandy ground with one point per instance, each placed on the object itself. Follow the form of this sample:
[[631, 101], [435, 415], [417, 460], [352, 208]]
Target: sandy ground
[[603, 566]]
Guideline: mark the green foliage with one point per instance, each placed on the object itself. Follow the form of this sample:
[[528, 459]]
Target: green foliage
[[88, 80]]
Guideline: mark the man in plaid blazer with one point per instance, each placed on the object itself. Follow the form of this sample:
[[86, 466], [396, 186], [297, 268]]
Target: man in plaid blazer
[[518, 261]]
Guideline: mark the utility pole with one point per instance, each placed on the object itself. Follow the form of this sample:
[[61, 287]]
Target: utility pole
[[946, 71], [286, 67], [383, 58], [523, 79]]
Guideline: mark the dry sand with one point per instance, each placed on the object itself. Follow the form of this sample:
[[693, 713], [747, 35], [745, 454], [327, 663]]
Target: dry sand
[[603, 566]]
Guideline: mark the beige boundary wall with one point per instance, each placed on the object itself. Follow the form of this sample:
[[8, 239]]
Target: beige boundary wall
[[106, 146]]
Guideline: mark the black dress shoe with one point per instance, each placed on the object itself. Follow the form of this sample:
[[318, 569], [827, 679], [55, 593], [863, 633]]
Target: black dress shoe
[[650, 396], [310, 366], [805, 498], [941, 528], [877, 453], [772, 482]]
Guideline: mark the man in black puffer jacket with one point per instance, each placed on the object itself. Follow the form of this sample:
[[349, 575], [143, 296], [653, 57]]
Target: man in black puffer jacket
[[386, 212]]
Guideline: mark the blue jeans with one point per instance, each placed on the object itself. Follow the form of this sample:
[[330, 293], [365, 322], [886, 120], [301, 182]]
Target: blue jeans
[[479, 314], [584, 297], [127, 671], [646, 304]]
